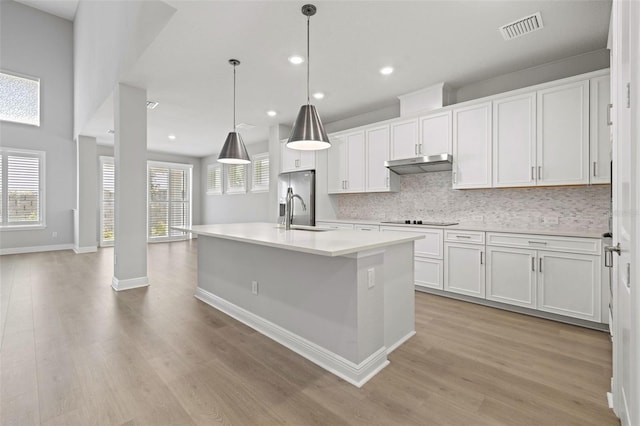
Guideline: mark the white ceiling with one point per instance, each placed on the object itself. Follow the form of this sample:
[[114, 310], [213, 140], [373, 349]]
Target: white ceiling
[[458, 42], [63, 8]]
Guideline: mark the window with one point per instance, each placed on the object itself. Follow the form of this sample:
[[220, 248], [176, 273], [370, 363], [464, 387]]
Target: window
[[21, 188], [214, 179], [236, 178], [19, 99], [107, 200], [260, 173], [169, 200]]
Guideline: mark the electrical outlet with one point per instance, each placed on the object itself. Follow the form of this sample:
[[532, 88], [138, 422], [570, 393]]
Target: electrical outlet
[[254, 287], [54, 234], [550, 220], [478, 218], [371, 277]]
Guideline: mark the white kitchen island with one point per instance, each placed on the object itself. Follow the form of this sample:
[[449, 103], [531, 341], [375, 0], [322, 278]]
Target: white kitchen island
[[342, 299]]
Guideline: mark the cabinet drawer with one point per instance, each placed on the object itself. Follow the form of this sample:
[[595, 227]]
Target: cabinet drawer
[[359, 227], [334, 225], [430, 246], [545, 242], [467, 237]]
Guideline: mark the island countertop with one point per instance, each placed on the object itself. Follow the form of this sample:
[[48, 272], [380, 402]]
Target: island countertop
[[323, 242]]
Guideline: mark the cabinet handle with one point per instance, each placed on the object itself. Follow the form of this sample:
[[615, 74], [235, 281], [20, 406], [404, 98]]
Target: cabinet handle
[[537, 242], [455, 177], [419, 148], [539, 172], [533, 173], [481, 261], [609, 122], [594, 169], [463, 236], [415, 149], [540, 261], [533, 263]]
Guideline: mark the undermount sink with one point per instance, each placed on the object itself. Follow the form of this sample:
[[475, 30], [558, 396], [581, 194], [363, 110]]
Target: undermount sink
[[304, 228]]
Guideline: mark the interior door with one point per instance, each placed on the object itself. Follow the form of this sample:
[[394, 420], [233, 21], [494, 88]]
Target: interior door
[[626, 342]]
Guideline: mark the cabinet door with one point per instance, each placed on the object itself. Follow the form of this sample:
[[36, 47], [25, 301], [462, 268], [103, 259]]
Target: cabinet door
[[428, 273], [472, 146], [377, 152], [404, 139], [464, 269], [354, 163], [511, 276], [569, 284], [514, 141], [435, 134], [563, 135], [289, 158], [336, 165], [600, 140]]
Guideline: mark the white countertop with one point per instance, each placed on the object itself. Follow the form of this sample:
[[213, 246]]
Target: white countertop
[[324, 243], [475, 226]]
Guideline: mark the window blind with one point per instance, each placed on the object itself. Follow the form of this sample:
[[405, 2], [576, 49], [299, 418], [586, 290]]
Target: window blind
[[108, 199], [260, 173], [21, 187], [169, 200], [214, 179], [236, 178]]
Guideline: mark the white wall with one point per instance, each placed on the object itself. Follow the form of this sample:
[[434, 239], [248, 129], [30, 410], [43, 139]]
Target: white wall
[[109, 37], [40, 45], [107, 151], [230, 208]]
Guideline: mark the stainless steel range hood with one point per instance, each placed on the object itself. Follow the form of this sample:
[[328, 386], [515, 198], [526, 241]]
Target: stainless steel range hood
[[431, 163]]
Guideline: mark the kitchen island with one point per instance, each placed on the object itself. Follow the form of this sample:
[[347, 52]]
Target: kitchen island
[[342, 299]]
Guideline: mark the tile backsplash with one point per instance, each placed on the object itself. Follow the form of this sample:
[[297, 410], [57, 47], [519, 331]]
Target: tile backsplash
[[429, 196]]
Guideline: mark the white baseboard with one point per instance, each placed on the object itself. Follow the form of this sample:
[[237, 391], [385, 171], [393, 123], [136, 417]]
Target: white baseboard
[[120, 285], [35, 249], [397, 344], [356, 374], [86, 249]]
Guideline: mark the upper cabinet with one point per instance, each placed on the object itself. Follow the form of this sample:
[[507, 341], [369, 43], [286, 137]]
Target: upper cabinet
[[563, 134], [435, 134], [293, 160], [600, 141], [378, 178], [404, 139], [514, 141], [472, 146], [346, 167]]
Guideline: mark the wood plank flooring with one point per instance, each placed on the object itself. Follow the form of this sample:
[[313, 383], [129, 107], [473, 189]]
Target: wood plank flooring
[[74, 352]]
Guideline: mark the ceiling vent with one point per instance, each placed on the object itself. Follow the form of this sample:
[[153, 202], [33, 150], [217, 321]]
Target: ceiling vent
[[152, 104], [522, 26]]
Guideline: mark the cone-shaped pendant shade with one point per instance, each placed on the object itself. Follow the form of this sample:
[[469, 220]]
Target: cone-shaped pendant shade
[[234, 151], [307, 133]]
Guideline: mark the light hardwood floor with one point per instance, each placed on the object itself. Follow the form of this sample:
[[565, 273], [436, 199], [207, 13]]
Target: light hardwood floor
[[74, 352]]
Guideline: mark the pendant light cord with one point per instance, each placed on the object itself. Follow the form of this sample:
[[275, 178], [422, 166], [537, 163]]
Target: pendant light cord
[[308, 60], [234, 98]]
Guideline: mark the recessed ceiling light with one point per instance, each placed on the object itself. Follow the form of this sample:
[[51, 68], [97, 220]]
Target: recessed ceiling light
[[318, 95], [296, 60], [152, 104], [386, 70], [172, 137], [272, 113]]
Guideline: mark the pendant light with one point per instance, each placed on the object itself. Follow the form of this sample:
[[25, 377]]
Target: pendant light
[[234, 151], [307, 133]]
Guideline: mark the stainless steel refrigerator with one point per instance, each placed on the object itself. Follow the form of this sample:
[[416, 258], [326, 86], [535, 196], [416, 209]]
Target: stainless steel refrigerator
[[304, 205]]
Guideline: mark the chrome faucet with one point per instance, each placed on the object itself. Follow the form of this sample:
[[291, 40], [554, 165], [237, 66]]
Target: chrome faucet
[[288, 212]]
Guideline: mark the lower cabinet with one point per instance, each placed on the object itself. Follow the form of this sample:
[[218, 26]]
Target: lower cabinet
[[511, 276], [464, 269]]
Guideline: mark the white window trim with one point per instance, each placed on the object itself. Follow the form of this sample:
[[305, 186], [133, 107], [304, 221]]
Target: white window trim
[[42, 224], [189, 169], [235, 191], [104, 160], [222, 181], [256, 158], [27, 77]]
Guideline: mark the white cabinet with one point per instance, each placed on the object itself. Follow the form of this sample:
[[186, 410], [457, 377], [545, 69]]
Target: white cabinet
[[428, 256], [600, 140], [511, 276], [345, 168], [563, 134], [561, 275], [404, 139], [464, 262], [292, 160], [472, 146], [514, 141], [377, 150], [435, 134]]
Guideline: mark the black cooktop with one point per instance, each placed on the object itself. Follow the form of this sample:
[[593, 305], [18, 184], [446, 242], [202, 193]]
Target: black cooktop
[[421, 222]]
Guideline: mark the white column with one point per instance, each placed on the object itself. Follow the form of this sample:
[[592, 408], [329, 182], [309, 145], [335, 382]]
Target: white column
[[130, 158], [86, 214]]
